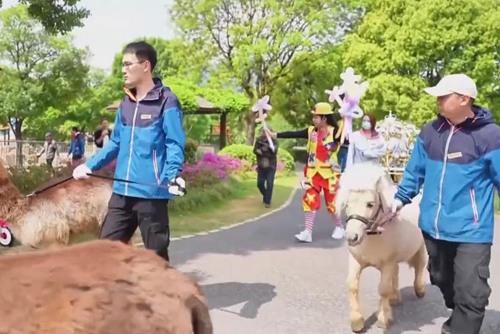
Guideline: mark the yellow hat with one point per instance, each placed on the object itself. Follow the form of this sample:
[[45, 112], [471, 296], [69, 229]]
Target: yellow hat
[[322, 108]]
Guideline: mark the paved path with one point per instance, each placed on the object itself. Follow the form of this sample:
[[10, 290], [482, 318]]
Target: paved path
[[259, 280]]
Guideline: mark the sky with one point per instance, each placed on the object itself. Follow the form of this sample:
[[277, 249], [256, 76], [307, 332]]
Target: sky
[[114, 23]]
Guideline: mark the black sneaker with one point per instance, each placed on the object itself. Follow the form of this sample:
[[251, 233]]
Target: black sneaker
[[446, 328]]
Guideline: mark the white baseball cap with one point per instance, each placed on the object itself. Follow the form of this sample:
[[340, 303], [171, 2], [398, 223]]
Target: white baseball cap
[[454, 83]]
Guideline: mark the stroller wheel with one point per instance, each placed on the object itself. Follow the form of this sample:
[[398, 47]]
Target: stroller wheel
[[5, 237]]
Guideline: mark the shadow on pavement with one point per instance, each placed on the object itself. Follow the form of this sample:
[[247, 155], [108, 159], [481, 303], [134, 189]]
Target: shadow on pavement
[[253, 295], [414, 313]]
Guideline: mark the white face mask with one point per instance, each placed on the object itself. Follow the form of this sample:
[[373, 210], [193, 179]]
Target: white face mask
[[366, 125]]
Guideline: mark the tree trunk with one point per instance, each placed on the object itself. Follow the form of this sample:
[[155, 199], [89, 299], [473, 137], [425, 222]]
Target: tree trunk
[[16, 127], [223, 130], [250, 128], [250, 116], [19, 153]]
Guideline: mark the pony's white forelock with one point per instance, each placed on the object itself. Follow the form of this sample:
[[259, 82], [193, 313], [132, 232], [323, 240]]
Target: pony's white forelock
[[362, 176]]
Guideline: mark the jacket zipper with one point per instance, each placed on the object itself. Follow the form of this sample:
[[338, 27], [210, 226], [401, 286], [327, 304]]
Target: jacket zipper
[[472, 193], [131, 147], [155, 166], [441, 181]]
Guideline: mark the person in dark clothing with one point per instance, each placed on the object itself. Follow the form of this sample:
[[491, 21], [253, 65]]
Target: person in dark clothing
[[101, 137], [344, 147], [266, 166], [342, 154], [102, 134], [77, 147]]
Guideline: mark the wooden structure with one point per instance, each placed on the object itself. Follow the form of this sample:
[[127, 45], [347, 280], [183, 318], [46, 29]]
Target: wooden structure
[[204, 108]]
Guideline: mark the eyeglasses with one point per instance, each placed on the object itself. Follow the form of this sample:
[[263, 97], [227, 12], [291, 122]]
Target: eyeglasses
[[127, 64]]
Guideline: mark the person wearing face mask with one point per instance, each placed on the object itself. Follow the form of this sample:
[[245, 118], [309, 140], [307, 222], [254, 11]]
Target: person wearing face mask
[[366, 145], [322, 170]]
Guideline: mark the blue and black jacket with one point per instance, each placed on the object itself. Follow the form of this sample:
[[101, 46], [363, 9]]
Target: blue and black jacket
[[458, 167], [148, 142], [77, 146]]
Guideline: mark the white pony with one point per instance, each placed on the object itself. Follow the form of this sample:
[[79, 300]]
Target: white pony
[[364, 197]]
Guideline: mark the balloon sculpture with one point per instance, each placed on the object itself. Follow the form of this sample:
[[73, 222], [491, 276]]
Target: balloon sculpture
[[261, 108], [352, 90], [400, 137]]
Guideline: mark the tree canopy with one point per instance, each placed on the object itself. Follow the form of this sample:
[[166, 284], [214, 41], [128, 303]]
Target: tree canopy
[[40, 70], [233, 52], [57, 16], [254, 43], [403, 46]]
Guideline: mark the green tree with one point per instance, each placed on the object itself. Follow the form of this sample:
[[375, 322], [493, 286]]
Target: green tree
[[176, 58], [255, 42], [403, 46], [40, 70], [57, 16], [305, 84], [86, 109]]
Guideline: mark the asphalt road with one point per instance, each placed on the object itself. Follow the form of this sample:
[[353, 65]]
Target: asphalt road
[[259, 280]]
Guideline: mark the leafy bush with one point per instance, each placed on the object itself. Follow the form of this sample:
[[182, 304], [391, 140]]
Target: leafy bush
[[245, 152], [224, 99], [203, 197], [240, 151], [190, 150], [34, 177], [287, 159]]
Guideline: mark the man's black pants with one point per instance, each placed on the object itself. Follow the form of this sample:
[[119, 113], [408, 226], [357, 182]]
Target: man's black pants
[[265, 182], [151, 215], [461, 271]]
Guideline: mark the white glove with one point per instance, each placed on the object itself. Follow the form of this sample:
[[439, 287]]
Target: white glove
[[336, 168], [305, 184], [396, 205], [177, 186], [81, 172]]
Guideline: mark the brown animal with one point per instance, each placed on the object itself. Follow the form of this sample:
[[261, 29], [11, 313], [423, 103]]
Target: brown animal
[[98, 287], [54, 216]]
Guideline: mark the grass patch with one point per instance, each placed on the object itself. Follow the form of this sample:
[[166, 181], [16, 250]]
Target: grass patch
[[209, 195], [239, 200], [244, 202]]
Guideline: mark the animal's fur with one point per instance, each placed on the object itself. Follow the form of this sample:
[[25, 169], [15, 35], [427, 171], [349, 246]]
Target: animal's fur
[[99, 287], [55, 215], [366, 185]]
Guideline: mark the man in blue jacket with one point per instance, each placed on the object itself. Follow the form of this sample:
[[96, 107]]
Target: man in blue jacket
[[456, 160], [148, 145], [76, 147]]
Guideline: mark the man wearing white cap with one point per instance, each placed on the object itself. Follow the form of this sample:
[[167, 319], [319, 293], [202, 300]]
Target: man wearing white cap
[[457, 161]]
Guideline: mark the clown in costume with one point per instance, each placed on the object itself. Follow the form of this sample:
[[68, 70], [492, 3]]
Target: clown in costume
[[322, 171]]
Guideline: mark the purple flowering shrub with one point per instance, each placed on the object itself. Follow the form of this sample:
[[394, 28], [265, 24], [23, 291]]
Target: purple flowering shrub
[[211, 169]]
